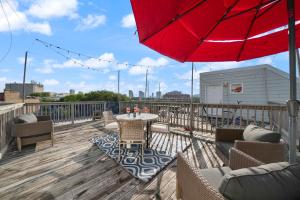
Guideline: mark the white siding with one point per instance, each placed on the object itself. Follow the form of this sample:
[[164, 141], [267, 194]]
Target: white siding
[[279, 87], [253, 80], [261, 84]]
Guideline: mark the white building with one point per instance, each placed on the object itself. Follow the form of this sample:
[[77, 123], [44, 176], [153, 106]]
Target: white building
[[262, 84]]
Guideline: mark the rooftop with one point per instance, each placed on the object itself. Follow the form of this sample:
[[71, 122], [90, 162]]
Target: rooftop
[[76, 169]]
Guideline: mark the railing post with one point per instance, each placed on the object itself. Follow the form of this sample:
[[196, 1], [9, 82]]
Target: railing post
[[72, 112], [105, 104]]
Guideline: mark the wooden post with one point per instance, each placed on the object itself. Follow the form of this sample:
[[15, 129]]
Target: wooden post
[[72, 112]]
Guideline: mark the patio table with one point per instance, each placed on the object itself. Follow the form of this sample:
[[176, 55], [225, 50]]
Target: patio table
[[146, 117]]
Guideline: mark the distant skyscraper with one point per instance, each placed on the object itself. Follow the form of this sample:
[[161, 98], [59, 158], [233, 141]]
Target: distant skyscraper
[[176, 95], [130, 94], [141, 94], [158, 94], [72, 91]]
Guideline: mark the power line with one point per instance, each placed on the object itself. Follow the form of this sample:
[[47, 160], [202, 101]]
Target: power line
[[10, 33]]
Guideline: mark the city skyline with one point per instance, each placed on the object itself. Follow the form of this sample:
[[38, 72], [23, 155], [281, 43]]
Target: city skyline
[[100, 29]]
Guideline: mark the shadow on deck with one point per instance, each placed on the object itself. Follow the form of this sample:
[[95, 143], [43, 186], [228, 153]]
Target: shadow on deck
[[76, 169]]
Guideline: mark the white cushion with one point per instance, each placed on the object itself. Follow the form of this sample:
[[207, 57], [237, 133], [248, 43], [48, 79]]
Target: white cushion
[[113, 125]]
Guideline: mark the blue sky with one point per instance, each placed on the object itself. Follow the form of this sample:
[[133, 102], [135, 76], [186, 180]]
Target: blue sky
[[102, 29]]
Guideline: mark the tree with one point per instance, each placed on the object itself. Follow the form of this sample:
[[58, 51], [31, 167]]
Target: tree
[[40, 94], [95, 96]]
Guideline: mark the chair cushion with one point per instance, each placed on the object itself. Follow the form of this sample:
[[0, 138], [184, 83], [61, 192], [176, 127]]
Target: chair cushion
[[26, 118], [214, 175], [113, 125], [256, 133], [224, 147], [272, 181]]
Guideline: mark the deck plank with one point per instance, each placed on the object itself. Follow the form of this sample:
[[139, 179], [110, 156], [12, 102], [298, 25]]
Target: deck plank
[[76, 169]]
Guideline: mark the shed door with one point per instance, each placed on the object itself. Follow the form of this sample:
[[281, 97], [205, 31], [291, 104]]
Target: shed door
[[214, 94]]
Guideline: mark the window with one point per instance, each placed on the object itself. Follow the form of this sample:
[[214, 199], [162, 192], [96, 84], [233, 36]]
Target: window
[[236, 88]]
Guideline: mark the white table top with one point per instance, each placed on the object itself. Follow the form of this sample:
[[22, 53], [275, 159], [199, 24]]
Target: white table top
[[142, 116]]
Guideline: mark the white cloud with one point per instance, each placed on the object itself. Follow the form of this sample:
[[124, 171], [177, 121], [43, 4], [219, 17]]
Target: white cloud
[[128, 21], [141, 67], [90, 22], [46, 68], [95, 63], [81, 86], [3, 79], [51, 82], [213, 66], [112, 77], [19, 21], [46, 9], [40, 27], [86, 87], [104, 63], [87, 76]]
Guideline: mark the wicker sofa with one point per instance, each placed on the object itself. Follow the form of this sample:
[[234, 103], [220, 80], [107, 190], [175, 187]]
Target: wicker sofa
[[245, 178], [261, 144], [29, 129]]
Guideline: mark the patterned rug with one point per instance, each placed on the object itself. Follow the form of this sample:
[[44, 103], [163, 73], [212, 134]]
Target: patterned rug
[[163, 150]]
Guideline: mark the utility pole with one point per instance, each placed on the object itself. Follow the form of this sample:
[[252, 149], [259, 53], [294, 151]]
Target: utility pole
[[24, 75], [298, 62], [118, 82], [192, 93], [119, 91], [146, 86], [292, 104]]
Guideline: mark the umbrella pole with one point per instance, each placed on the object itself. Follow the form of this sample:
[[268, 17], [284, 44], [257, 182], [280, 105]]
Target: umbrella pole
[[292, 104], [191, 103]]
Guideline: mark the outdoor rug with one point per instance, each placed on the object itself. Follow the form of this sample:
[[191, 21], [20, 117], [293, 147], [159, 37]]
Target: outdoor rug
[[162, 151]]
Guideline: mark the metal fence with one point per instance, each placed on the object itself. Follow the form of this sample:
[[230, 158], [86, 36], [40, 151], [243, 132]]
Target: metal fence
[[206, 117], [66, 111]]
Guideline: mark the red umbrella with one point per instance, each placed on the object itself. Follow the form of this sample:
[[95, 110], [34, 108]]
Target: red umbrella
[[213, 30], [223, 30]]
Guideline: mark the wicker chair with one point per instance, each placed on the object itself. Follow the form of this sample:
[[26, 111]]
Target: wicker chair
[[131, 132], [31, 133], [266, 152], [109, 120], [193, 184], [97, 114]]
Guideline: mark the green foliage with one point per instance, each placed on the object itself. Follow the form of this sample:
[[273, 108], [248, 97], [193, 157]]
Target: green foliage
[[40, 94], [96, 96]]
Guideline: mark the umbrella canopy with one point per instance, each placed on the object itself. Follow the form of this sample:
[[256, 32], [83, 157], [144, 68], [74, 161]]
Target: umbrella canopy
[[224, 30], [214, 30]]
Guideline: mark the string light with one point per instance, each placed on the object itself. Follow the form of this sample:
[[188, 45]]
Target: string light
[[55, 48]]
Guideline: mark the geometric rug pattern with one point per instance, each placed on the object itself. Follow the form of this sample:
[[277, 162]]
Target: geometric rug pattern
[[155, 158]]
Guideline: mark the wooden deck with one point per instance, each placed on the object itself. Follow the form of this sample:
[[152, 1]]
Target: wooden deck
[[76, 169]]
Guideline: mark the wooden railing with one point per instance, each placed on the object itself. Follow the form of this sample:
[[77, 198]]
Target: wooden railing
[[66, 111], [7, 114], [206, 117]]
